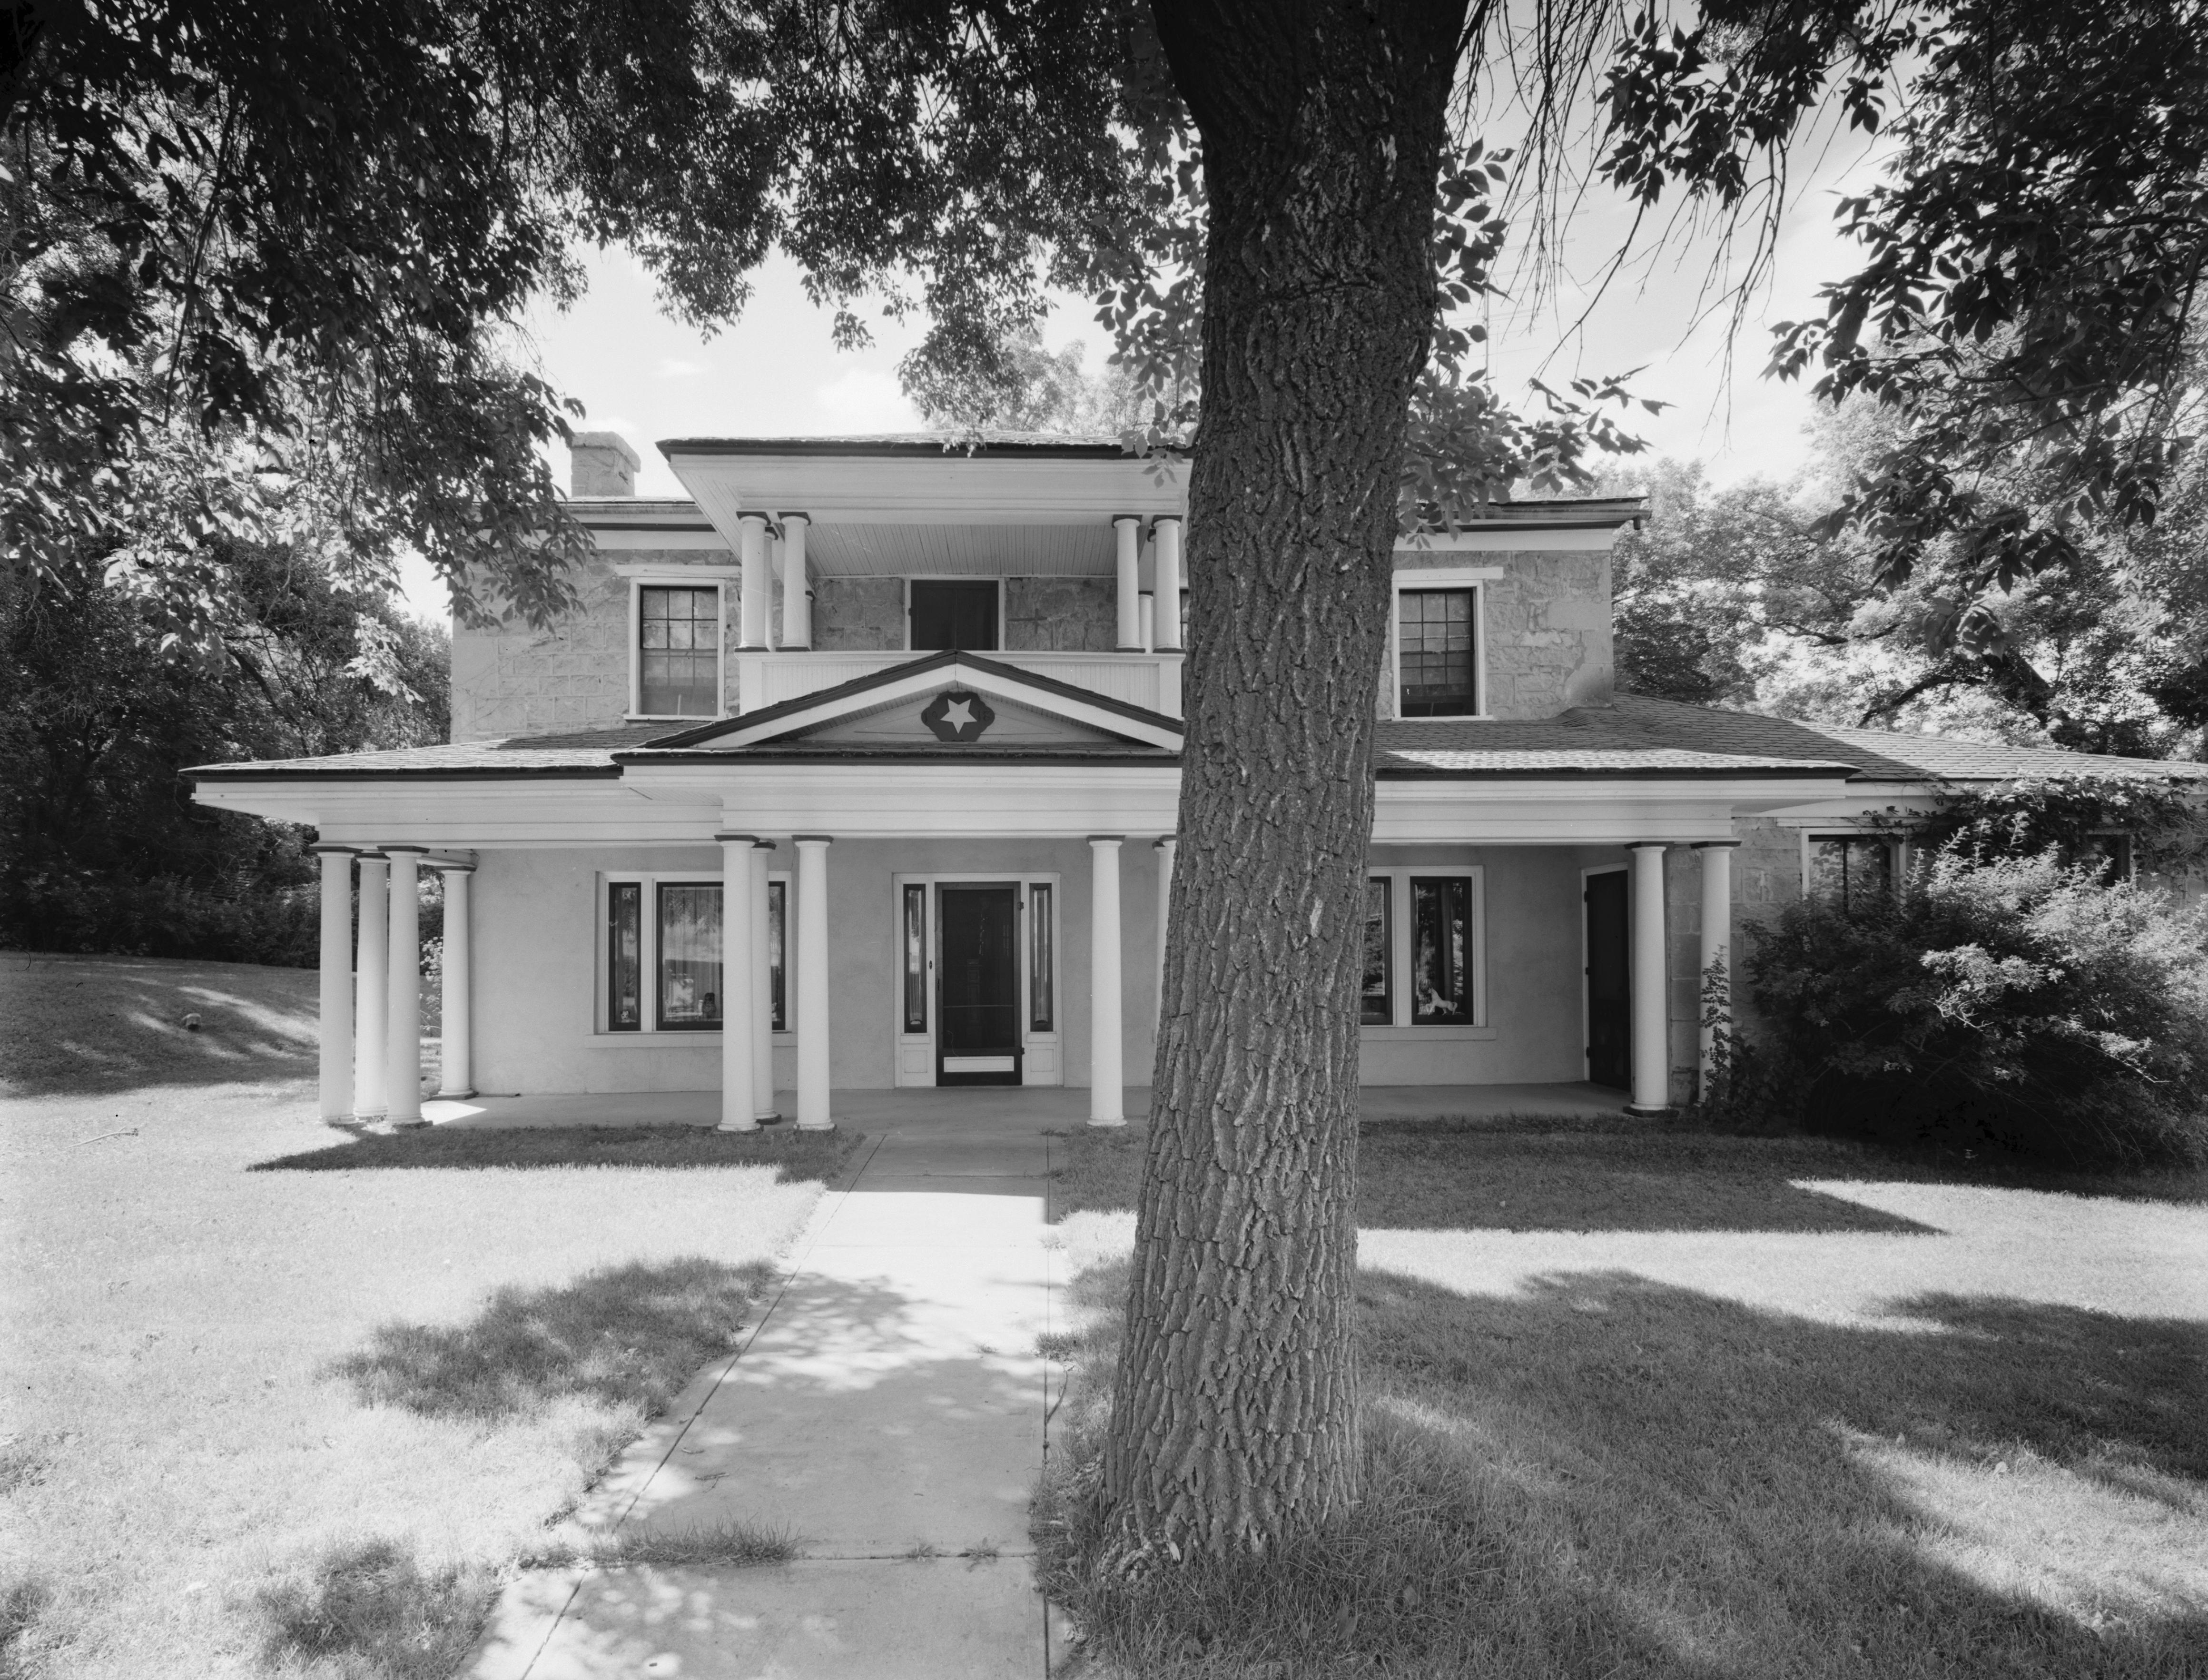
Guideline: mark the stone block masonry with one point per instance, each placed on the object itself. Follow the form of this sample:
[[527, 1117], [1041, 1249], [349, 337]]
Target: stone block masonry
[[1060, 615], [1546, 622], [858, 615]]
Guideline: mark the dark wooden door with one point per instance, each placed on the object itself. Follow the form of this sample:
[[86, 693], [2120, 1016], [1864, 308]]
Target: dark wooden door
[[977, 1023], [954, 613], [1609, 982]]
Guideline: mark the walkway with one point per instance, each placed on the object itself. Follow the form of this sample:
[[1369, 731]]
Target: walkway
[[887, 1412]]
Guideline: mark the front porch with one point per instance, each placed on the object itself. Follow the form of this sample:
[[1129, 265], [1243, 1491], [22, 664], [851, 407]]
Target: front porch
[[1053, 1106]]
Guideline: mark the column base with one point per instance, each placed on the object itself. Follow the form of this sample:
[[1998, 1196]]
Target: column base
[[737, 1125], [454, 1096], [374, 1119], [824, 1126], [772, 1116], [1638, 1112], [1110, 1124], [414, 1124]]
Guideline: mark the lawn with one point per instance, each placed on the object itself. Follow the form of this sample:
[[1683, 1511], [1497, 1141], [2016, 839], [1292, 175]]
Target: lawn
[[287, 1401], [1654, 1402]]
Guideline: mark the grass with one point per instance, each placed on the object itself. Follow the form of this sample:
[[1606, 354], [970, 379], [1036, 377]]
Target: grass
[[299, 1422], [1695, 1405], [717, 1544]]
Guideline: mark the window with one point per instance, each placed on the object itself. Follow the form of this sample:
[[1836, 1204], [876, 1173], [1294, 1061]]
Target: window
[[678, 651], [1850, 869], [625, 957], [777, 955], [1042, 1012], [1436, 652], [916, 959], [2114, 854], [1441, 950], [1376, 994], [689, 956], [952, 613]]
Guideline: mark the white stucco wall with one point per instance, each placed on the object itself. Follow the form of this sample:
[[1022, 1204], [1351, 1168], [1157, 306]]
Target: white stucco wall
[[538, 944]]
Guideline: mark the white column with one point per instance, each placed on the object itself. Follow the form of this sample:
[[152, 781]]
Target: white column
[[1165, 847], [456, 1005], [796, 599], [1651, 1056], [1107, 1053], [812, 1063], [402, 1055], [1166, 585], [372, 988], [337, 981], [738, 1102], [1717, 937], [758, 594], [762, 990], [1129, 531]]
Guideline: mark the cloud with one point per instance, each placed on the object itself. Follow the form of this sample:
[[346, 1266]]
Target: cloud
[[676, 367], [866, 399]]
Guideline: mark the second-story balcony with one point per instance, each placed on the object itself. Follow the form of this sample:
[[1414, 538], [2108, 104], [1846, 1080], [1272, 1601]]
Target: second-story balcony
[[769, 677]]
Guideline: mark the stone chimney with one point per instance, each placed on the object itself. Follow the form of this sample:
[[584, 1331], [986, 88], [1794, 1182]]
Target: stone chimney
[[601, 464]]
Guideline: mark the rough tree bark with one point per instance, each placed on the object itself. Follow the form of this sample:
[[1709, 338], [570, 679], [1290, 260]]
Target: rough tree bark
[[1233, 1415]]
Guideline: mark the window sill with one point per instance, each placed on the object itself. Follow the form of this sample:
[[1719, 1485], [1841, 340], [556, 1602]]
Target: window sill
[[1425, 1034], [1453, 718], [701, 1039], [673, 717]]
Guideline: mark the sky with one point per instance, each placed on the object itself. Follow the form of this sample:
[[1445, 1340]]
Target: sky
[[776, 371]]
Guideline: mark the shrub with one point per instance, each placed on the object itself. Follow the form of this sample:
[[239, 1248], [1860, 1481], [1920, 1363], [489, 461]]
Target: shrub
[[2012, 1001]]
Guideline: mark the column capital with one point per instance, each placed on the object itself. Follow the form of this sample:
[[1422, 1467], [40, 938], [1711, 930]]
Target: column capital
[[453, 868], [763, 845], [326, 848], [1169, 519], [373, 855], [755, 515], [727, 839], [812, 839], [801, 518], [392, 851], [1106, 839], [1166, 840], [1119, 519], [1647, 845], [1712, 845]]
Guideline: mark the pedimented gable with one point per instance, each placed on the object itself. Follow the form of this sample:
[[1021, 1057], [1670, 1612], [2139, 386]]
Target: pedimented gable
[[956, 716]]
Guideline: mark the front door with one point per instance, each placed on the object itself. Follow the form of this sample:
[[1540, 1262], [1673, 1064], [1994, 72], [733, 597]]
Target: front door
[[978, 978], [1609, 983]]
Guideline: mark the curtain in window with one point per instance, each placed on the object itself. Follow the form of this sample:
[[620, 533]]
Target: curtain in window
[[1377, 1003], [679, 660], [1441, 946], [689, 956], [625, 957]]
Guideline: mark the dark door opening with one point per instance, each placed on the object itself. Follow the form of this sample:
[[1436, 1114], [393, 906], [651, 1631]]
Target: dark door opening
[[1609, 983], [954, 613], [977, 1021]]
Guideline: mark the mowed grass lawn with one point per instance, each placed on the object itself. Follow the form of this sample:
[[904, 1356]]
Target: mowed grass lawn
[[282, 1401], [1646, 1401]]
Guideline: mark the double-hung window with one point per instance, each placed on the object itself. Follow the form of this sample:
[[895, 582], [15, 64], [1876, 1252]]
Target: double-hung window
[[1423, 949], [678, 651], [1439, 663], [665, 961], [1849, 870]]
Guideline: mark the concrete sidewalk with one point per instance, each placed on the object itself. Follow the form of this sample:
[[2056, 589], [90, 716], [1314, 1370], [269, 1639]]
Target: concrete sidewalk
[[887, 1412]]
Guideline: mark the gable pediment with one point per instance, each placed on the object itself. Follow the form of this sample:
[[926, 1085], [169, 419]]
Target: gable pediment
[[956, 716]]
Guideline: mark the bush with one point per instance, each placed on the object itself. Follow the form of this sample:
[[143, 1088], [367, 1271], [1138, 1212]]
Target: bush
[[2015, 1002]]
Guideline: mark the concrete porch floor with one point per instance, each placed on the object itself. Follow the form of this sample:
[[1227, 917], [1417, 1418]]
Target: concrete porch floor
[[1066, 1106]]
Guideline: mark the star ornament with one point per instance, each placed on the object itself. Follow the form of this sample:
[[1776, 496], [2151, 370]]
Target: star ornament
[[957, 715]]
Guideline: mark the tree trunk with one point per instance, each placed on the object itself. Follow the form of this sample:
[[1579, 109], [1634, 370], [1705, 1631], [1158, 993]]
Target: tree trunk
[[1234, 1407]]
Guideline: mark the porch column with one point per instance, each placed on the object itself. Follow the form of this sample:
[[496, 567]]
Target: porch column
[[337, 981], [1165, 533], [758, 594], [372, 988], [402, 1096], [1652, 1060], [1165, 845], [1717, 941], [812, 1063], [796, 599], [456, 1005], [1129, 531], [762, 989], [738, 1099], [1106, 1078]]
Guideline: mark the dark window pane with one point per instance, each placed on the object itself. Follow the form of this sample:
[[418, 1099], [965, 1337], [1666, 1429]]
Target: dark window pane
[[777, 954], [1441, 950], [689, 956], [1436, 652], [625, 957], [1040, 1007], [678, 654], [916, 959], [2114, 854], [1377, 1003], [948, 613], [1851, 870]]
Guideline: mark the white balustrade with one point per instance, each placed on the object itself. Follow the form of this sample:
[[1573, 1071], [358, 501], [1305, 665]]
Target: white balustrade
[[1149, 681]]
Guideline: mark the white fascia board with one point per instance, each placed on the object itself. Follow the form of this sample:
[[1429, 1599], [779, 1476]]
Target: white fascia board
[[930, 489], [1536, 539], [943, 800], [958, 674], [1860, 798], [710, 540], [445, 815], [1592, 810]]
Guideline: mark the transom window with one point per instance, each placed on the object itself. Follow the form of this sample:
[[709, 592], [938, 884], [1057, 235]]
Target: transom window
[[663, 956], [1425, 939], [1438, 653], [678, 651], [1850, 870]]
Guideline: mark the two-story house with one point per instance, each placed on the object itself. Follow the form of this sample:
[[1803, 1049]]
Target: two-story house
[[858, 769]]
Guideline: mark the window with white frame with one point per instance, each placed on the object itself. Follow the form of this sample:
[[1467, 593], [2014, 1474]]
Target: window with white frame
[[1425, 949], [663, 966], [1849, 870], [678, 649], [1438, 657]]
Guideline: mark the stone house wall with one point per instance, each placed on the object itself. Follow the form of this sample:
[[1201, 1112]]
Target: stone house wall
[[1546, 621]]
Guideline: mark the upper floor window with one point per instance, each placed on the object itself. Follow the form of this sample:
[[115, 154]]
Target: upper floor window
[[678, 655], [1438, 653], [952, 613], [1849, 870]]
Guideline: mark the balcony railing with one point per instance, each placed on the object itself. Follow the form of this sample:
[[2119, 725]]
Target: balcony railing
[[1148, 680]]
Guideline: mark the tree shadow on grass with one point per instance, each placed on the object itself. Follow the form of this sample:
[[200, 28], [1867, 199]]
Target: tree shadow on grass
[[794, 1154], [627, 1336], [1604, 1476], [370, 1611], [98, 1025]]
